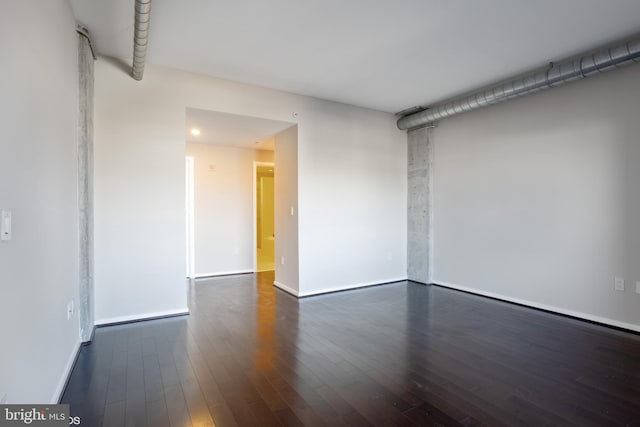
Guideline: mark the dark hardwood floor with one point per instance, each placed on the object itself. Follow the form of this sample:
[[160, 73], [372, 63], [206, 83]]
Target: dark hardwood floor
[[400, 354]]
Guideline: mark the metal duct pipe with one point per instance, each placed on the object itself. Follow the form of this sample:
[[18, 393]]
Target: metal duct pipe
[[556, 75], [140, 38]]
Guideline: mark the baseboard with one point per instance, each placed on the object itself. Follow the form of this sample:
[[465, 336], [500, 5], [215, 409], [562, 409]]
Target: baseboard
[[141, 317], [222, 273], [351, 287], [286, 288], [571, 313], [90, 340], [66, 373]]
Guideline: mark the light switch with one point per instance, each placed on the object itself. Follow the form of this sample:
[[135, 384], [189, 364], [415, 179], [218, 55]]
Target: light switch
[[5, 225], [291, 211]]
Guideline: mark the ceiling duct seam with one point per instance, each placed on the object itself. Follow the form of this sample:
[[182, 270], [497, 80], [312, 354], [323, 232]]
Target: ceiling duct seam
[[140, 37], [557, 75]]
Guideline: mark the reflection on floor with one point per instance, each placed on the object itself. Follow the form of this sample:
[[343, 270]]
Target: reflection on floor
[[401, 354], [265, 263]]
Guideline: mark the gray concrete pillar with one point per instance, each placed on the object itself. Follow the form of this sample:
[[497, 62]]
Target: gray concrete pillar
[[85, 188], [419, 205]]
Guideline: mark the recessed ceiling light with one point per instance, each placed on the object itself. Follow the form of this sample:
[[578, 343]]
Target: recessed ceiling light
[[195, 131]]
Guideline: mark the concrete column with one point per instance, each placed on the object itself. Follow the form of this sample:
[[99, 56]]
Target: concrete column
[[85, 188], [419, 205]]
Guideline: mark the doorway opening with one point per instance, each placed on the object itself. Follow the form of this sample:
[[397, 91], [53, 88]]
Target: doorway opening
[[229, 169], [264, 216]]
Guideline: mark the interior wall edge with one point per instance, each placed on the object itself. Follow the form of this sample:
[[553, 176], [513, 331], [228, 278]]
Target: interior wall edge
[[223, 273], [66, 373], [141, 316], [353, 287], [286, 288]]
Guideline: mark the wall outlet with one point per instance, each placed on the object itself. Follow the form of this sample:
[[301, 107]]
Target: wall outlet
[[637, 287], [3, 399], [282, 260], [5, 225], [618, 284]]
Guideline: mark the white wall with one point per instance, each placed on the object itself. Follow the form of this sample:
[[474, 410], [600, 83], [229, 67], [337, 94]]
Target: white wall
[[537, 199], [286, 198], [38, 183], [223, 220], [352, 166], [352, 185], [139, 197]]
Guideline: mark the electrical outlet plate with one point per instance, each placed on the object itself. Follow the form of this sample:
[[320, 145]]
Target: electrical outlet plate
[[5, 225], [618, 284]]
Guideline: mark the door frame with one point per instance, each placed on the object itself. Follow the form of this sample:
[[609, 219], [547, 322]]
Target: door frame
[[257, 164], [189, 216]]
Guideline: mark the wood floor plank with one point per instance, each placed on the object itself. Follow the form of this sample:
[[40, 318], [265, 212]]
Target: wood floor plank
[[197, 405], [176, 407], [222, 415], [395, 355], [114, 414], [157, 413]]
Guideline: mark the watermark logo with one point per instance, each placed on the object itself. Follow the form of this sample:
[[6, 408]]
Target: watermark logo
[[36, 415]]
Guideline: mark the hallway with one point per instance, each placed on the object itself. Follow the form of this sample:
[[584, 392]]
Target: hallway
[[400, 354]]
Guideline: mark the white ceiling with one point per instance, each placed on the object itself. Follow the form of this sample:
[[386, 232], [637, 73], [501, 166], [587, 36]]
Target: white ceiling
[[382, 54], [231, 129]]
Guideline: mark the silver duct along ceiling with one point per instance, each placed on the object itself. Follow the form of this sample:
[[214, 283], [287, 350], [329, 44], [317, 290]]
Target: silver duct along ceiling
[[140, 38], [556, 75]]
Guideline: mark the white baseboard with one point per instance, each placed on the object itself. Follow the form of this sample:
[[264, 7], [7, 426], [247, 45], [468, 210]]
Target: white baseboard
[[286, 288], [222, 273], [66, 373], [144, 316], [350, 287], [572, 313]]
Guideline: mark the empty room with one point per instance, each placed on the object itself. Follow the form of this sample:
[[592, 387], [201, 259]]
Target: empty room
[[320, 213]]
